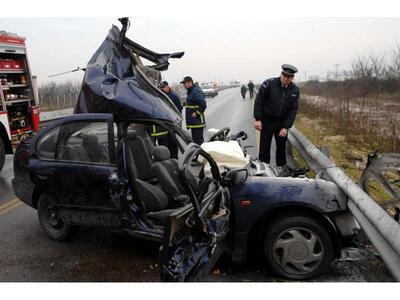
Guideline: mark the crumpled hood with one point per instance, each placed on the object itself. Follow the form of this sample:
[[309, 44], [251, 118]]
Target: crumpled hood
[[117, 82]]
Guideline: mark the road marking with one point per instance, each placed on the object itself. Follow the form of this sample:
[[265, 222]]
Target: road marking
[[9, 206]]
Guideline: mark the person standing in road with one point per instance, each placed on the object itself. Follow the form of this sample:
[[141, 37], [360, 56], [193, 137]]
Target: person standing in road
[[195, 108], [275, 110], [251, 89], [160, 134], [164, 86], [243, 91]]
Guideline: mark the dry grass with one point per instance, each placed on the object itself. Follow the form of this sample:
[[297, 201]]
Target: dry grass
[[344, 153]]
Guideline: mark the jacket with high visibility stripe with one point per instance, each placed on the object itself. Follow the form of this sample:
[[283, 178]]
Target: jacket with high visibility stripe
[[195, 103], [157, 131]]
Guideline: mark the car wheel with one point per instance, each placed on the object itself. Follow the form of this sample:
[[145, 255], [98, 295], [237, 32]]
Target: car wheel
[[298, 247], [52, 225], [2, 154]]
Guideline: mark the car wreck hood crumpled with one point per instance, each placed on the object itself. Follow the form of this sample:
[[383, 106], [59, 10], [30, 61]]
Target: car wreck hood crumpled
[[117, 82]]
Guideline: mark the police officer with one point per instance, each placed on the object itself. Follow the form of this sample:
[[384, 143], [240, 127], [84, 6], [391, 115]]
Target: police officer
[[195, 107], [275, 110], [251, 89]]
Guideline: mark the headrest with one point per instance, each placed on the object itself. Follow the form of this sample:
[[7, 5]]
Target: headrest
[[161, 153], [132, 135], [89, 139]]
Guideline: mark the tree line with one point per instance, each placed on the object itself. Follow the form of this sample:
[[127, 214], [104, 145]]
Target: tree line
[[370, 75]]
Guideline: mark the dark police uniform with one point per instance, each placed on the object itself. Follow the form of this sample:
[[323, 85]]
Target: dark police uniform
[[196, 103], [276, 107], [251, 89], [243, 91]]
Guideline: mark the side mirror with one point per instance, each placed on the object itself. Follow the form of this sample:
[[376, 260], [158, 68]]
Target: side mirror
[[236, 177]]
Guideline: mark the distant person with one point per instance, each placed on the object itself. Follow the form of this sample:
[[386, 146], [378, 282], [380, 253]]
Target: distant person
[[251, 89], [243, 91], [275, 110], [195, 108]]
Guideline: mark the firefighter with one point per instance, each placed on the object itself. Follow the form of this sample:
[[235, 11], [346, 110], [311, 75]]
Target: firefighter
[[195, 107], [159, 134], [275, 110], [163, 137], [164, 86]]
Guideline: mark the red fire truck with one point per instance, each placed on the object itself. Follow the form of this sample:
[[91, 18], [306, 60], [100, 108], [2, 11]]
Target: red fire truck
[[19, 113]]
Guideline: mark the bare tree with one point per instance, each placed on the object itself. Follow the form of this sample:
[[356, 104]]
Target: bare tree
[[393, 68], [362, 68], [51, 93]]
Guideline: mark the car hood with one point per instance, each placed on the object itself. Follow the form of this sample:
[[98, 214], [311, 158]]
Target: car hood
[[117, 82]]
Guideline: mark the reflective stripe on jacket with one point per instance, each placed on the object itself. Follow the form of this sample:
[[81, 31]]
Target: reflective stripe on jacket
[[195, 103], [157, 131]]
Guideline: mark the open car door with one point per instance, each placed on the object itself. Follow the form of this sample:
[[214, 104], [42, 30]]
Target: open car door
[[195, 236]]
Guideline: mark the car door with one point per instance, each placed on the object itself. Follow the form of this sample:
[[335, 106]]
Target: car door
[[79, 175], [195, 236], [86, 158]]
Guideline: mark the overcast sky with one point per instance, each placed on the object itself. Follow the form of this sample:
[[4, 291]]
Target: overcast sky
[[218, 48]]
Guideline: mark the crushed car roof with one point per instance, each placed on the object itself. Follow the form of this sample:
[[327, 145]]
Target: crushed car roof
[[117, 82]]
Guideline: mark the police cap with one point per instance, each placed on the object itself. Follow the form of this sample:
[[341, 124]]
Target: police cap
[[289, 69]]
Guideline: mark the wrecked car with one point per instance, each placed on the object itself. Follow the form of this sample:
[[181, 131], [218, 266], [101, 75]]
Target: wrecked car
[[100, 167]]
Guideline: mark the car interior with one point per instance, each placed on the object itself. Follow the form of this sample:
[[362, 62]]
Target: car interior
[[79, 142], [155, 177]]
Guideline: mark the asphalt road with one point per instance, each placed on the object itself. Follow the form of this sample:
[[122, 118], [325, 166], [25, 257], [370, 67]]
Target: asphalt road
[[26, 254]]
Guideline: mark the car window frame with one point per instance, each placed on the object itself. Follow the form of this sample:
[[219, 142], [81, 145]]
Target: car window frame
[[40, 138], [110, 136]]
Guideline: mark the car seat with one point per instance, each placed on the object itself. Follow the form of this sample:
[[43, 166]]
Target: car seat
[[166, 171]]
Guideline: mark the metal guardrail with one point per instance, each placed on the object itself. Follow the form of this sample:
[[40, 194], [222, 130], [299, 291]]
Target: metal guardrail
[[382, 230]]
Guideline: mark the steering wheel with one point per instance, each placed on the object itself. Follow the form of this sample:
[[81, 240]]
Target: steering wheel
[[220, 135]]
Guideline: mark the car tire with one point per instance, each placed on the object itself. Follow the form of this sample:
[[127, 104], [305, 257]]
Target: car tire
[[298, 247], [2, 154], [54, 227]]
